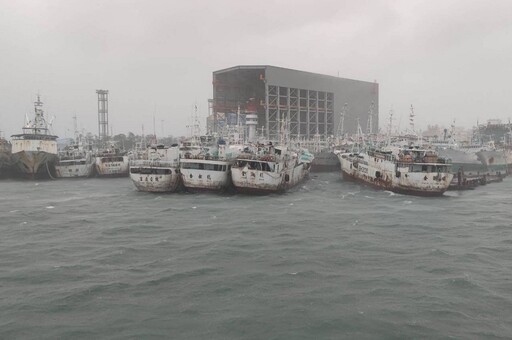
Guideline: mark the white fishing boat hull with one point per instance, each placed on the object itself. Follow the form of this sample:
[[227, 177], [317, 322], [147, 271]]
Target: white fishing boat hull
[[112, 166], [155, 179], [386, 175], [205, 175], [246, 180], [74, 169]]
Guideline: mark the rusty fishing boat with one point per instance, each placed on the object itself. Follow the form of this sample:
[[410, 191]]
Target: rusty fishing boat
[[406, 170]]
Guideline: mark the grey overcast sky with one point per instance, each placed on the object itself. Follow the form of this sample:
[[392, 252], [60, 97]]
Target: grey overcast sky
[[451, 59]]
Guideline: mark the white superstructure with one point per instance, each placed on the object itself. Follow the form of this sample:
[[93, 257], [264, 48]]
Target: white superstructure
[[210, 170], [158, 171], [111, 162]]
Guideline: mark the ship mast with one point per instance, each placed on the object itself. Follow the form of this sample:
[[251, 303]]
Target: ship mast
[[411, 119], [390, 126], [343, 113], [369, 124], [75, 128], [195, 129], [39, 122], [359, 136]]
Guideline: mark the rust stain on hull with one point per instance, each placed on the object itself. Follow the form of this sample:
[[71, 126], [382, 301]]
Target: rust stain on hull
[[34, 163], [387, 185]]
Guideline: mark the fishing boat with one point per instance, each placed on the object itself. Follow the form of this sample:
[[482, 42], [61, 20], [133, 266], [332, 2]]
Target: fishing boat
[[209, 170], [111, 162], [158, 170], [406, 170], [34, 152], [269, 169], [75, 161]]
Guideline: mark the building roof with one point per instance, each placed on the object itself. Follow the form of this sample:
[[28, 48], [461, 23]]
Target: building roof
[[258, 67]]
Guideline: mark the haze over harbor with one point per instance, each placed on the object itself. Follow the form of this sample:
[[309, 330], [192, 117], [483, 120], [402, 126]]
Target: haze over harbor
[[449, 59]]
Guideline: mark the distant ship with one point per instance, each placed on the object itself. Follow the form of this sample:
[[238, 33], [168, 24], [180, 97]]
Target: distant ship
[[269, 169], [410, 170], [111, 162], [463, 158], [34, 152], [5, 156], [75, 161], [158, 170]]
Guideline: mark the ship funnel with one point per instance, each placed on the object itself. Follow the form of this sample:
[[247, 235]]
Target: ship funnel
[[251, 120]]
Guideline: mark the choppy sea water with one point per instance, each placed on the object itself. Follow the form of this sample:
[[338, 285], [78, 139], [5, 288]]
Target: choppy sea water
[[333, 259]]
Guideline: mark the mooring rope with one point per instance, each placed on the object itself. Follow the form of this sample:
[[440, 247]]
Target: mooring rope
[[48, 170]]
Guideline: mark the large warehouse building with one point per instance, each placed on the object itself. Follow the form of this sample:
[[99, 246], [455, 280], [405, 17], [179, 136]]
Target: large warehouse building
[[309, 103]]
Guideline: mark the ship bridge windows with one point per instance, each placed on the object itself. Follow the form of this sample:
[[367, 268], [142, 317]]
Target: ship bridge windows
[[151, 171], [254, 165], [204, 166], [428, 168], [111, 159]]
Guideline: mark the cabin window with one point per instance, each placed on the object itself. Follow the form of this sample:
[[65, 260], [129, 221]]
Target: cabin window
[[190, 165], [265, 167]]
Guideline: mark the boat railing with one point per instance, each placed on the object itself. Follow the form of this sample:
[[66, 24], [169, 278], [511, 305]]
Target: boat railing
[[157, 164], [34, 137]]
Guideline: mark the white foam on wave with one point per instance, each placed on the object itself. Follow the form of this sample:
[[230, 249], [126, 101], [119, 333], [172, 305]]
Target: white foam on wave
[[13, 211], [50, 207], [391, 193], [407, 202]]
